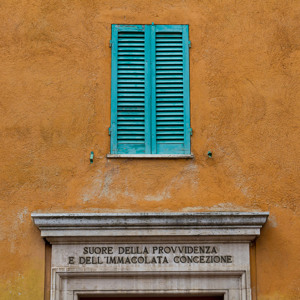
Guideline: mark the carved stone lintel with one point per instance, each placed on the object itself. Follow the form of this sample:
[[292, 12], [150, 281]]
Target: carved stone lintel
[[209, 226]]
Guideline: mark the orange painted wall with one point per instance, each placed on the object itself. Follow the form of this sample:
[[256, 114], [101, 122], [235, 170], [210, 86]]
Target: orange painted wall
[[55, 109]]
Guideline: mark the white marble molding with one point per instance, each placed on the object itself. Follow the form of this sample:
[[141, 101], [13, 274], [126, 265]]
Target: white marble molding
[[76, 273]]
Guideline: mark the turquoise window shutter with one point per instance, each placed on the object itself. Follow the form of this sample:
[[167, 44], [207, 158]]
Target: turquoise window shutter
[[150, 89], [170, 90], [130, 89]]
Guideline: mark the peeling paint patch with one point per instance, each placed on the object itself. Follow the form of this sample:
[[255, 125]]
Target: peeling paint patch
[[159, 197], [229, 207], [272, 221], [195, 209], [106, 187], [20, 219], [22, 214], [218, 207]]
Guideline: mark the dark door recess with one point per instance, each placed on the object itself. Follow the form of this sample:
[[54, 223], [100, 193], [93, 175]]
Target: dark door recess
[[154, 298]]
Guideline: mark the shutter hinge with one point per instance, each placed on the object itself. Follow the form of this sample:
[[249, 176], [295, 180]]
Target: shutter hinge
[[191, 131], [190, 44], [109, 131], [110, 44]]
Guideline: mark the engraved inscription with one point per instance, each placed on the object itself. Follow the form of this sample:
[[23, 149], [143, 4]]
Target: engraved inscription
[[154, 254]]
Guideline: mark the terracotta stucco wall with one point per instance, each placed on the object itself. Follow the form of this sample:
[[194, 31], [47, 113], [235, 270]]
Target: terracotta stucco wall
[[55, 109]]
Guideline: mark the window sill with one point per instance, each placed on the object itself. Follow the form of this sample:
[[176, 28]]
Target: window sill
[[150, 156]]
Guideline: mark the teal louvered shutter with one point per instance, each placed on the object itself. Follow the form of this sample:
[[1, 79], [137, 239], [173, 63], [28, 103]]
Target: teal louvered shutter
[[170, 89], [150, 89], [130, 89]]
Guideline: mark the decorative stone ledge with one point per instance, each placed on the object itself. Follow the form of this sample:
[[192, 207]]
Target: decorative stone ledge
[[97, 227]]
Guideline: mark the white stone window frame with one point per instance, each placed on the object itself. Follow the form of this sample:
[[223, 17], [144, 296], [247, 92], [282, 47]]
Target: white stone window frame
[[235, 230]]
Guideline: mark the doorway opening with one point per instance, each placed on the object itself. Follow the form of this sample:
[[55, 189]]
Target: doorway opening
[[153, 298]]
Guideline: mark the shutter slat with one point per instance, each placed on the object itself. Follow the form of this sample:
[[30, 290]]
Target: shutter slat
[[172, 81], [130, 118], [168, 128], [137, 48], [130, 127], [167, 123], [171, 76], [131, 42], [175, 58], [137, 94], [171, 86], [167, 71], [133, 108], [133, 76], [168, 42], [120, 71], [130, 35], [131, 123], [170, 90], [160, 35], [169, 67], [127, 67], [126, 99], [131, 90], [122, 80], [169, 118], [130, 114], [169, 95], [160, 48], [131, 58], [169, 101], [163, 104], [172, 63], [175, 138], [124, 105], [168, 108], [169, 54], [126, 138], [168, 113], [130, 63], [131, 132], [137, 85], [132, 53]]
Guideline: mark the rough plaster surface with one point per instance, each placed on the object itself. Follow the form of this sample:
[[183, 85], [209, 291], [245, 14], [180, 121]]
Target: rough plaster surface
[[55, 109]]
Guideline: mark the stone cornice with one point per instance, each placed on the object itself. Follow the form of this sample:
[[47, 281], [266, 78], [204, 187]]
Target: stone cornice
[[133, 227]]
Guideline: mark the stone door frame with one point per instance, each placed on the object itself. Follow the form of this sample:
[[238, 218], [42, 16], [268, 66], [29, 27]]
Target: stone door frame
[[229, 230], [68, 285]]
